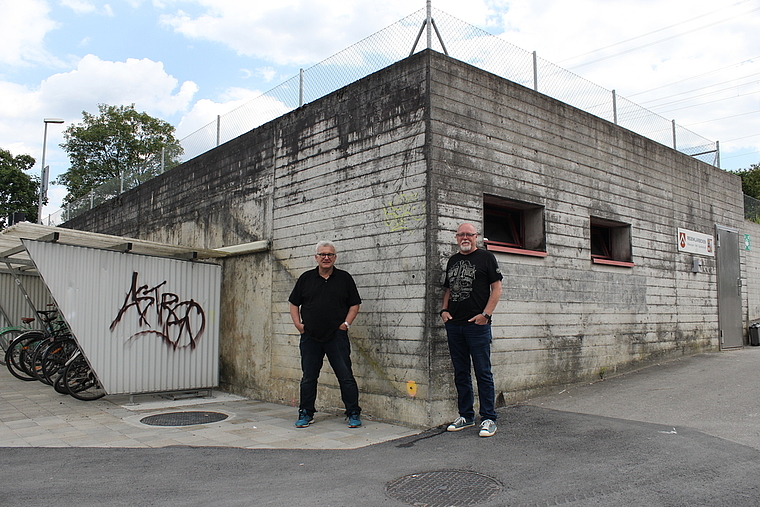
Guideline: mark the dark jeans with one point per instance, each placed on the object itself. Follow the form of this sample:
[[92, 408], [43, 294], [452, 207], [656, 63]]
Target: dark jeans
[[338, 352], [471, 345]]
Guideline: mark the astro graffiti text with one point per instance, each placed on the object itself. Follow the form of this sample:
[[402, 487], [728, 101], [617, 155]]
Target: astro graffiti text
[[179, 324]]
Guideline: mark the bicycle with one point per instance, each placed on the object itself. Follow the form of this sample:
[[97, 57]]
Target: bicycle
[[79, 380], [20, 351], [8, 333]]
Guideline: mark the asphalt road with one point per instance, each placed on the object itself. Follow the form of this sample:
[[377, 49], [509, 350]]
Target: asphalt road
[[551, 451]]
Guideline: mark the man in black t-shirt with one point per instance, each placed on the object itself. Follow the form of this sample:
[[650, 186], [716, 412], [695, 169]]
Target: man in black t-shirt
[[323, 304], [472, 291]]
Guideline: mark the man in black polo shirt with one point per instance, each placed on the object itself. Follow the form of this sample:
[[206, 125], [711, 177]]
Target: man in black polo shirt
[[323, 305]]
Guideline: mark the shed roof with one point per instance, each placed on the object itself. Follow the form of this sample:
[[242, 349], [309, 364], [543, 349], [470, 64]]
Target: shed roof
[[14, 255]]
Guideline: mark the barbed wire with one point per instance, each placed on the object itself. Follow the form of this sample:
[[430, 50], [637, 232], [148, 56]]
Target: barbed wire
[[459, 40]]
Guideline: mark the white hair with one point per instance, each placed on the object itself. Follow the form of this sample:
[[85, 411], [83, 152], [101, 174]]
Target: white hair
[[323, 244]]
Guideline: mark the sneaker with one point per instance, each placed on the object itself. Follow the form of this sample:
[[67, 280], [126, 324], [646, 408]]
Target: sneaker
[[487, 428], [304, 419], [460, 423], [354, 421]]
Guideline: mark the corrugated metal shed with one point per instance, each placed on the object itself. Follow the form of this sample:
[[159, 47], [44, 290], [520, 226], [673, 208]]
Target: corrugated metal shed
[[146, 319]]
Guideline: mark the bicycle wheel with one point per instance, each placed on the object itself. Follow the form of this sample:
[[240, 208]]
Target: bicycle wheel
[[34, 362], [80, 380], [6, 337], [28, 354], [54, 358], [13, 356]]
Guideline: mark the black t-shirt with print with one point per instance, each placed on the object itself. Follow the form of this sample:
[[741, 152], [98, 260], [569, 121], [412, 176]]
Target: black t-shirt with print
[[469, 278], [324, 302]]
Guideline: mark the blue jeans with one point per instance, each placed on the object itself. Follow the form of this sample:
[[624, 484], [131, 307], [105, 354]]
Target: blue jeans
[[338, 352], [471, 345]]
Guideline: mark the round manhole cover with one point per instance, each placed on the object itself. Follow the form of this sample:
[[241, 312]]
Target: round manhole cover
[[183, 418], [444, 488]]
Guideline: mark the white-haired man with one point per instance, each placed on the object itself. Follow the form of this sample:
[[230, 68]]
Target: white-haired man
[[323, 305]]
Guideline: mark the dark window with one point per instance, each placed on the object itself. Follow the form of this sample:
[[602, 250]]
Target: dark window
[[611, 242], [513, 226]]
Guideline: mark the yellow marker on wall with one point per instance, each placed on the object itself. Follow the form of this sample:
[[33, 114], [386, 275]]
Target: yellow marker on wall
[[411, 387]]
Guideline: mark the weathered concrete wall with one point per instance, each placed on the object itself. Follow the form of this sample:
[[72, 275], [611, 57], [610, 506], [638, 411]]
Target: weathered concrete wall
[[563, 318], [751, 272], [350, 168], [387, 167]]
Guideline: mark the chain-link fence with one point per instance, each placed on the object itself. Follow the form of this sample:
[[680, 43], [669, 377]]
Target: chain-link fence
[[751, 209], [459, 40]]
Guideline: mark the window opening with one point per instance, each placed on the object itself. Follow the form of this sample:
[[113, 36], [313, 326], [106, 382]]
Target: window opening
[[513, 226], [611, 242]]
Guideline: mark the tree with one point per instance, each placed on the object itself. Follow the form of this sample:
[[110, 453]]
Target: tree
[[750, 180], [118, 144], [19, 192]]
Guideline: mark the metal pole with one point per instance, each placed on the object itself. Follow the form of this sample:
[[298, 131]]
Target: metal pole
[[218, 129], [535, 71], [300, 88], [43, 179], [674, 135], [614, 107], [44, 172], [429, 27], [717, 154]]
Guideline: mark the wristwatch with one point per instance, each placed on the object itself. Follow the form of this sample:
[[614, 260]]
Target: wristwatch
[[348, 326], [484, 314]]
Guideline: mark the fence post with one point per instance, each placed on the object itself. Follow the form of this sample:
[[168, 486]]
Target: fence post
[[429, 27], [674, 135], [614, 107], [300, 88], [218, 129], [535, 72]]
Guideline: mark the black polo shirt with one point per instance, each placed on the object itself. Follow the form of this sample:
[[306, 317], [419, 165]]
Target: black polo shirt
[[324, 302]]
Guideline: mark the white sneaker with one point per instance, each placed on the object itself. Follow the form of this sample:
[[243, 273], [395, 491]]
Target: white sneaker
[[460, 423], [487, 428]]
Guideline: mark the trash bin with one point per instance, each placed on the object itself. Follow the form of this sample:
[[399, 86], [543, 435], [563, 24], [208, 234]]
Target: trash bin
[[754, 334]]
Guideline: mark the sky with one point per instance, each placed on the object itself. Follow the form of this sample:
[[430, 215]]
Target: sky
[[186, 61]]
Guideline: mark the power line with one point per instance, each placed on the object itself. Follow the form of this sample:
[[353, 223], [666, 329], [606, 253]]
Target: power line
[[686, 99], [650, 33], [662, 40], [695, 77]]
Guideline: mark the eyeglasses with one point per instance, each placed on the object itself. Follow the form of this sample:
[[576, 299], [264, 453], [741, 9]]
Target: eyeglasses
[[323, 255], [466, 234]]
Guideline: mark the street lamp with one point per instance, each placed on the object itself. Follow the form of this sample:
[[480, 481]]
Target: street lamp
[[44, 175]]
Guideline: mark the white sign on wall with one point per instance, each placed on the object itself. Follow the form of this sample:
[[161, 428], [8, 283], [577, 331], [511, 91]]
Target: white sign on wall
[[696, 242]]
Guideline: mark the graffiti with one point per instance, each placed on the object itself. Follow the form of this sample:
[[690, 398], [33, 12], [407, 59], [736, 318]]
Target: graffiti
[[179, 324], [403, 211]]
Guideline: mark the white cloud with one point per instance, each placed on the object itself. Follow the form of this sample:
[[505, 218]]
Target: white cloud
[[87, 7], [302, 31], [235, 104], [142, 82], [268, 73], [23, 26], [79, 6]]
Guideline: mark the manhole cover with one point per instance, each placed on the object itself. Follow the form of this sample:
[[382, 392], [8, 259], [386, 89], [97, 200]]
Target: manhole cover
[[444, 488], [183, 418]]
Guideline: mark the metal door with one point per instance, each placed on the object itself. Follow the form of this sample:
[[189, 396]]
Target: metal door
[[729, 289]]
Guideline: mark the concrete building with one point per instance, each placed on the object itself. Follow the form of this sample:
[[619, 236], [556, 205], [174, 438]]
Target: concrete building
[[583, 216]]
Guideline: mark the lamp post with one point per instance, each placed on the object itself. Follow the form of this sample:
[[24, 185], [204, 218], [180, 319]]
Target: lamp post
[[44, 174]]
